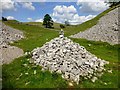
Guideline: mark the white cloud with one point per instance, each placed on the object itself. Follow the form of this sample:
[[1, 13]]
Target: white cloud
[[12, 5], [91, 0], [39, 20], [28, 5], [86, 6], [7, 5], [10, 18], [63, 13], [65, 9], [29, 19], [80, 19], [6, 0], [42, 0], [34, 0]]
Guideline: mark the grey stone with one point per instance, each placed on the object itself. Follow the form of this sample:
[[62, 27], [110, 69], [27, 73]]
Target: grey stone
[[106, 30], [63, 56], [94, 79]]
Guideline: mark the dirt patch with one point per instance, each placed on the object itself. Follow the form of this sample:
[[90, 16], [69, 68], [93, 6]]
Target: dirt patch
[[10, 53]]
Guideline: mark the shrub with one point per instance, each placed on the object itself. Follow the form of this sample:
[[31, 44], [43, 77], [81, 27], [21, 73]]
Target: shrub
[[62, 26]]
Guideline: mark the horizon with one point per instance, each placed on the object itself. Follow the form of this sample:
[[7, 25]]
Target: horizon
[[74, 12]]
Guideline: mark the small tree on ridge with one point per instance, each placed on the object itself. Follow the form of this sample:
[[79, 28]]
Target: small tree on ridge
[[47, 21]]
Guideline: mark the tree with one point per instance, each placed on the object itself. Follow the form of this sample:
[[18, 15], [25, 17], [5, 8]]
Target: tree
[[47, 21], [4, 19], [62, 26], [113, 2], [67, 23]]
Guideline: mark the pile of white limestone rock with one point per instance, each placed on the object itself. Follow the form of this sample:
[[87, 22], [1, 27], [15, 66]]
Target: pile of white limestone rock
[[9, 35], [72, 61], [106, 30]]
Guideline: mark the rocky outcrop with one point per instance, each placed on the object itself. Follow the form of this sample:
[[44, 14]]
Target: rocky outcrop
[[73, 61], [106, 30]]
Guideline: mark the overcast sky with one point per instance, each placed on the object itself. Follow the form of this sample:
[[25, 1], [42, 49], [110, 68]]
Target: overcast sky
[[75, 12]]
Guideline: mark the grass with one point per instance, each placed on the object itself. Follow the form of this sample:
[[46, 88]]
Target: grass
[[47, 80], [86, 25], [73, 29], [41, 79], [55, 25], [36, 36], [105, 52]]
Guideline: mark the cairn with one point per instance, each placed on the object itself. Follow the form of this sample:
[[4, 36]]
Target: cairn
[[74, 62]]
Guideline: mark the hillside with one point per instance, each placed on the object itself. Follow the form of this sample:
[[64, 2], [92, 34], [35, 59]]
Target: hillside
[[74, 29], [9, 35], [106, 30], [23, 74], [55, 25]]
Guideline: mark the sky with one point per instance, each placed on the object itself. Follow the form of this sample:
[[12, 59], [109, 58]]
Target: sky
[[74, 11]]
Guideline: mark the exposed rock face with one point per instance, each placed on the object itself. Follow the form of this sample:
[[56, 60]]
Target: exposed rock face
[[73, 61], [9, 35], [106, 30]]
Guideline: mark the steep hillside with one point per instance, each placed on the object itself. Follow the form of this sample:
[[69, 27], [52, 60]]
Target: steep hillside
[[105, 30], [9, 35], [74, 29]]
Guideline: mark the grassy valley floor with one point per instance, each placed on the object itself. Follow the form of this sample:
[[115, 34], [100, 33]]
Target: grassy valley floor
[[21, 74]]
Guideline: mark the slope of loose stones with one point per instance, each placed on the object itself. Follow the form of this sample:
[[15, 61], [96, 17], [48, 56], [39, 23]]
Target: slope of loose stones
[[9, 35], [106, 30]]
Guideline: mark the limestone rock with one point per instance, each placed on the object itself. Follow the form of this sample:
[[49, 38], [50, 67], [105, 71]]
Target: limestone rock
[[106, 30], [62, 55]]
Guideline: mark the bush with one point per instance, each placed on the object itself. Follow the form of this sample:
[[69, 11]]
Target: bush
[[4, 19], [67, 23], [62, 26]]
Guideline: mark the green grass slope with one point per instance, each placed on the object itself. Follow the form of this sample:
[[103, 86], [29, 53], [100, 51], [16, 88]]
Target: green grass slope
[[55, 25], [35, 36], [73, 29], [19, 75], [77, 28]]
